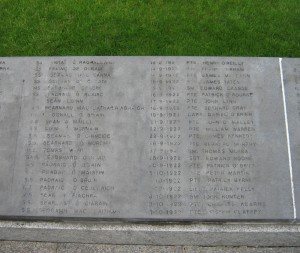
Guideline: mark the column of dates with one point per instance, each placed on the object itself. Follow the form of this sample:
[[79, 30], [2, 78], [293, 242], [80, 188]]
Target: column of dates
[[165, 139], [31, 152]]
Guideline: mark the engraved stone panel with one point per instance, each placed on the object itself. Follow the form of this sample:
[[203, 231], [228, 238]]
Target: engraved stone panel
[[291, 78], [10, 105], [144, 138]]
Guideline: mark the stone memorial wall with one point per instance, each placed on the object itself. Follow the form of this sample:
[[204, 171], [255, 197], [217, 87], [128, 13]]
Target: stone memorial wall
[[150, 138]]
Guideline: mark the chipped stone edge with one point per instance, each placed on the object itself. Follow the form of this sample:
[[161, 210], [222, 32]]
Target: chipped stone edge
[[197, 234]]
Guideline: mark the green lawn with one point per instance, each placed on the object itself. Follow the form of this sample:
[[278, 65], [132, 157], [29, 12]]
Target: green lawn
[[145, 27]]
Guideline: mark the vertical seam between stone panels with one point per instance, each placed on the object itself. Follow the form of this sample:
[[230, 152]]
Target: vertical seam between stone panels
[[17, 137], [288, 138]]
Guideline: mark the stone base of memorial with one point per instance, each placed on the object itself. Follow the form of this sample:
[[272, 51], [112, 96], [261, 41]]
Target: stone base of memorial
[[201, 234], [150, 150]]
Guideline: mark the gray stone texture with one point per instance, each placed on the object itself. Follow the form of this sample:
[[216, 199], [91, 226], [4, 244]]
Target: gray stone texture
[[27, 247], [80, 248], [291, 77], [38, 247], [145, 138], [206, 234], [239, 250]]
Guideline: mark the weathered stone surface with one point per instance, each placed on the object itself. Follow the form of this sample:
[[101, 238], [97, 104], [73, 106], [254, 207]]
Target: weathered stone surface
[[168, 138], [239, 250], [88, 248], [106, 248], [291, 78], [38, 247], [206, 234], [26, 247]]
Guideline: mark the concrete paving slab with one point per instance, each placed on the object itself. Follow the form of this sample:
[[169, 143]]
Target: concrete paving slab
[[105, 248], [239, 250], [27, 247]]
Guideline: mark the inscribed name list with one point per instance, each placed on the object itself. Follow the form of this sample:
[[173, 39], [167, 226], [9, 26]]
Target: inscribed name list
[[168, 138]]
